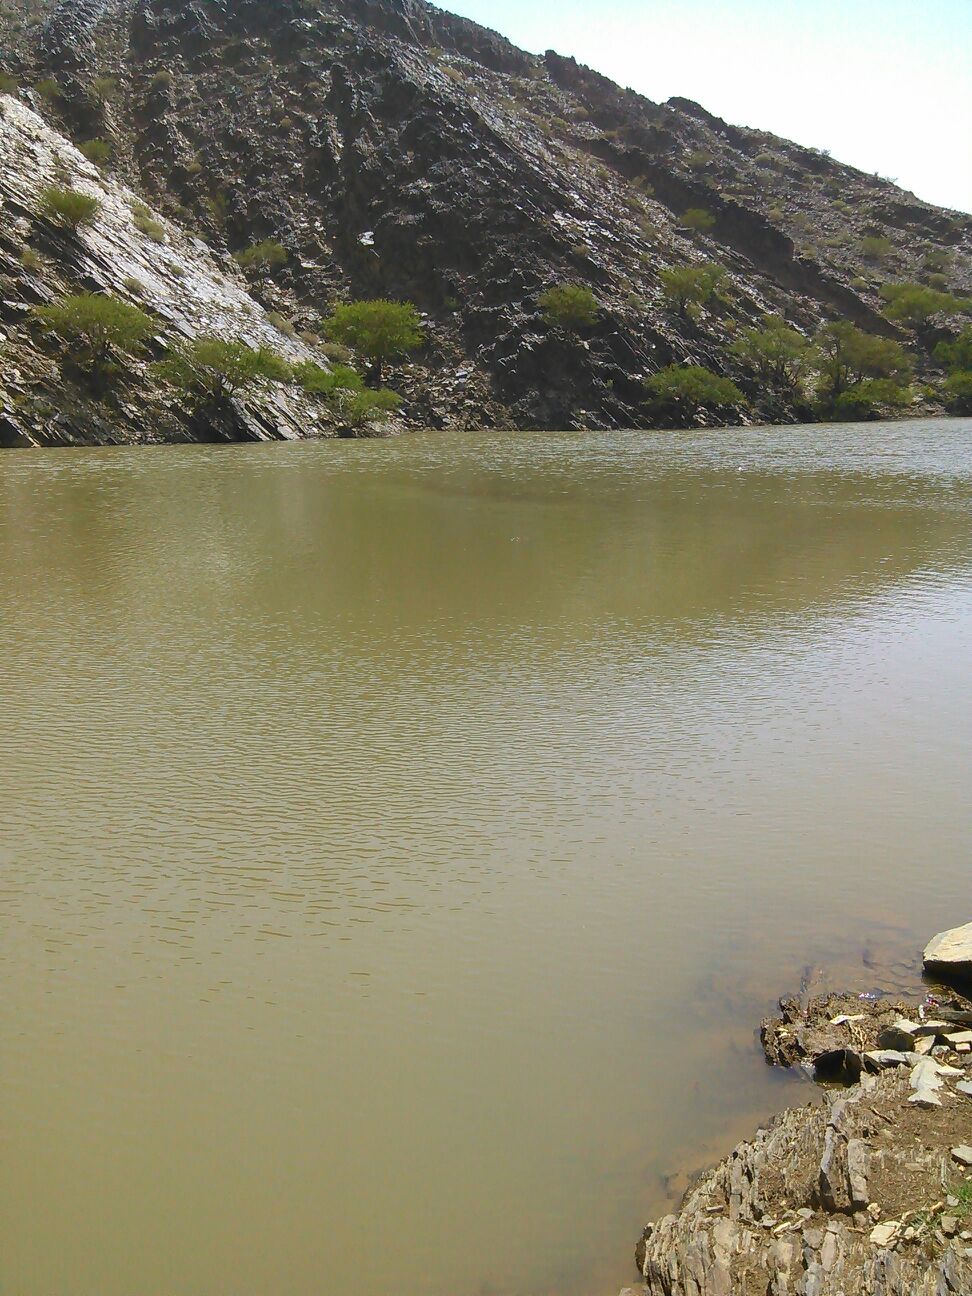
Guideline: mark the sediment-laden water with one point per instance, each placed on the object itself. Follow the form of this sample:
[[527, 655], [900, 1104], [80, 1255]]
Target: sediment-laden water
[[399, 840]]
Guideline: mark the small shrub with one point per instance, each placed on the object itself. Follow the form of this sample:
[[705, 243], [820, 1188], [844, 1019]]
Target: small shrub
[[48, 89], [68, 207], [281, 324], [357, 408], [867, 399], [955, 354], [318, 381], [161, 80], [682, 392], [699, 160], [699, 219], [378, 330], [194, 168], [103, 89], [336, 351], [8, 84], [876, 247], [97, 151], [569, 306], [30, 260], [775, 214], [268, 255], [914, 304], [133, 285], [146, 223], [691, 286], [94, 327]]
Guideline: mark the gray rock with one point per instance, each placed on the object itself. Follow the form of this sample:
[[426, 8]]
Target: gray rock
[[962, 1154], [949, 954]]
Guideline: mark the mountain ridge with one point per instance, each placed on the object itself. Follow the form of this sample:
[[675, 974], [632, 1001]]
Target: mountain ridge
[[396, 150]]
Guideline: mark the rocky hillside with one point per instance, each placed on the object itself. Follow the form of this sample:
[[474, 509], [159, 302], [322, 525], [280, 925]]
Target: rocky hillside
[[396, 151]]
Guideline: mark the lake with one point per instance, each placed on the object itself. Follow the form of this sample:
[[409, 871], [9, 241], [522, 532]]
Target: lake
[[401, 839]]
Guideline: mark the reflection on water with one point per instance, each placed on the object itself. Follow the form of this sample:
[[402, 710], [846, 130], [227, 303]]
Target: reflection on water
[[400, 839]]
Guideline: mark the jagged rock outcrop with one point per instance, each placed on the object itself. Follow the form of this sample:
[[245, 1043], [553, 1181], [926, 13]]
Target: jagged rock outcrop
[[396, 150]]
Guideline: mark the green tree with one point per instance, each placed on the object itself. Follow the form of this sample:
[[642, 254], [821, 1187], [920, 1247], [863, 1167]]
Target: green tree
[[68, 207], [378, 330], [776, 353], [212, 370], [847, 356], [958, 391], [914, 304], [955, 354], [569, 306], [691, 286], [867, 398], [681, 392], [94, 329]]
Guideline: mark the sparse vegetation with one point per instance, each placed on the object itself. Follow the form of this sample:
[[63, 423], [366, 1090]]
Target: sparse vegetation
[[876, 247], [104, 89], [161, 80], [30, 260], [264, 256], [146, 223], [68, 207], [48, 89], [699, 159], [682, 392], [955, 355], [379, 330], [569, 306], [8, 84]]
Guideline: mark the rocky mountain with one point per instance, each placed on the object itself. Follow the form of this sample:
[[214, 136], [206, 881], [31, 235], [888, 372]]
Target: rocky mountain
[[396, 151]]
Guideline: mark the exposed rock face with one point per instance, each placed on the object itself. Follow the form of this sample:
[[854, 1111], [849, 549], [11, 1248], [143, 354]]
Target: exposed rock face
[[395, 150], [844, 1199], [949, 954]]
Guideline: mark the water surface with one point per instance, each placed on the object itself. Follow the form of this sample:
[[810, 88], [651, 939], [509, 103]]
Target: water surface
[[399, 840]]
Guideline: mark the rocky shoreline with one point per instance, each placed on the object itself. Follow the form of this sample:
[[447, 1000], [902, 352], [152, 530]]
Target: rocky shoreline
[[864, 1191]]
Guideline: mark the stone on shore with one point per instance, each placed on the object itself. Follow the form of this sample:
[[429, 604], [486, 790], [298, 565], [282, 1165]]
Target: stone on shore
[[949, 954]]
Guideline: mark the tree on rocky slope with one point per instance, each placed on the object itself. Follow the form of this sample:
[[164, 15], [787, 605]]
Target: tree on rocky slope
[[689, 287], [378, 330], [776, 353], [681, 392], [95, 328], [849, 357], [210, 371]]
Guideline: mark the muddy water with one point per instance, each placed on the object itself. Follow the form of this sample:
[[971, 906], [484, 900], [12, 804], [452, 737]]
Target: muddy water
[[398, 840]]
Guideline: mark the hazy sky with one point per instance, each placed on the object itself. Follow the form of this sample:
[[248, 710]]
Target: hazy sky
[[885, 85]]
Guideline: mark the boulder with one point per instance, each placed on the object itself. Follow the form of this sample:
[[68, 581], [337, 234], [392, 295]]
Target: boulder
[[949, 954]]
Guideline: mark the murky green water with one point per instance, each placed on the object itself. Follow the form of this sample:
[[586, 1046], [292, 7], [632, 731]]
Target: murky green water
[[398, 841]]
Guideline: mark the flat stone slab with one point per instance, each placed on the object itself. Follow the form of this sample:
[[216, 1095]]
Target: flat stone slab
[[949, 954]]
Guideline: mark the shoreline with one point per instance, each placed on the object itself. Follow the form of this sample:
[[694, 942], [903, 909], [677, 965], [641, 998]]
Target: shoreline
[[866, 1189]]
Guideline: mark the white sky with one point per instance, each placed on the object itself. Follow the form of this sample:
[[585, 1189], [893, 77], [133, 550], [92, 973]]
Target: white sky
[[885, 85]]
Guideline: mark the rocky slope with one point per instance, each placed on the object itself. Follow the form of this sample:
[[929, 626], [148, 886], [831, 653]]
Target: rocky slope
[[397, 151]]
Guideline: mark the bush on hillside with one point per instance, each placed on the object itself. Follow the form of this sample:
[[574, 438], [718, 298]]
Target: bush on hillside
[[68, 207], [914, 304], [569, 306], [688, 286], [268, 255], [699, 219]]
